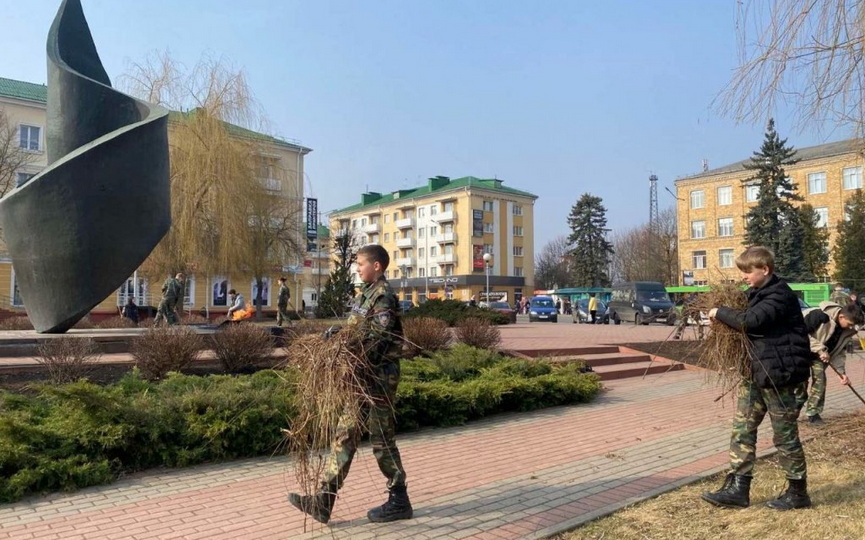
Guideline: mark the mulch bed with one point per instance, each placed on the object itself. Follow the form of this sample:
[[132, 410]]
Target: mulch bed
[[686, 351]]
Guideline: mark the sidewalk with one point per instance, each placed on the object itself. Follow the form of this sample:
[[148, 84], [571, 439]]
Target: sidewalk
[[513, 476]]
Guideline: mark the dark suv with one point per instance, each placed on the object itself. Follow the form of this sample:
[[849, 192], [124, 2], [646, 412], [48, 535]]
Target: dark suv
[[641, 302]]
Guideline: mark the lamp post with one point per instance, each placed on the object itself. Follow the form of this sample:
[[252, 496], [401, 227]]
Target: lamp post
[[488, 262], [403, 281]]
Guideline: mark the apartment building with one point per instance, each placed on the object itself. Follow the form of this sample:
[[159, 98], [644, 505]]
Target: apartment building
[[712, 206], [316, 266], [437, 235], [281, 172]]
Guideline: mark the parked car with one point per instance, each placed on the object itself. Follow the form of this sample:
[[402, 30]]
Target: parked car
[[505, 308], [542, 308], [406, 305], [580, 312], [641, 302]]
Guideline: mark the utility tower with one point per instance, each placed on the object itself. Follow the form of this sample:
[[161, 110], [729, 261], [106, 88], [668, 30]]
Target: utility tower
[[653, 203]]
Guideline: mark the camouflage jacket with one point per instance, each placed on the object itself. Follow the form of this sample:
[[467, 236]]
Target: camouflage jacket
[[284, 295], [172, 289], [376, 310]]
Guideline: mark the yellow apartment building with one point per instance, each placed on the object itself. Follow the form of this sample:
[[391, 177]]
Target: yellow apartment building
[[282, 162], [437, 235], [316, 267], [712, 206]]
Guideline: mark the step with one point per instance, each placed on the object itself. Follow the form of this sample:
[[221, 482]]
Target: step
[[605, 359], [570, 351], [636, 369]]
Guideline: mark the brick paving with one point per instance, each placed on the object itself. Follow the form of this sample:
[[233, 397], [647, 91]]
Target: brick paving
[[514, 476]]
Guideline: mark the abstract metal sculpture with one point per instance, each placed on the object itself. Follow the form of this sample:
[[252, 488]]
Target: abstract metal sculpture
[[80, 228]]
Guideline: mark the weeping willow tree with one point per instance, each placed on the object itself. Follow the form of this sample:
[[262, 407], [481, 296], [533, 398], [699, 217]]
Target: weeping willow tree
[[806, 53], [229, 216]]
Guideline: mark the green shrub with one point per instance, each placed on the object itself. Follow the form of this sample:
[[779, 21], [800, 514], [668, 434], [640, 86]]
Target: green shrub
[[81, 434], [454, 311]]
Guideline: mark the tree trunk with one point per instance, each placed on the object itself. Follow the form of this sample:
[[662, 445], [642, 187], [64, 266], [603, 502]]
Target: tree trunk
[[259, 299]]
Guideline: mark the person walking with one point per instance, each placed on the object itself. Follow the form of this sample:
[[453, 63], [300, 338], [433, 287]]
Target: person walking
[[130, 311], [282, 303], [780, 360], [376, 312], [593, 307], [173, 291]]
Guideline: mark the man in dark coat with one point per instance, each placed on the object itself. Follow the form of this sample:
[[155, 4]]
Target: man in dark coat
[[780, 367]]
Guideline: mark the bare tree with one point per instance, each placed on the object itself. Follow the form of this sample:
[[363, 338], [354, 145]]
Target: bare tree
[[552, 264], [643, 254], [225, 219], [803, 52], [13, 158]]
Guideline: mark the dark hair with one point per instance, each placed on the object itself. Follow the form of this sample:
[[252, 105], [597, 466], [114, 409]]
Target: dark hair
[[854, 314], [374, 253], [232, 291], [281, 278]]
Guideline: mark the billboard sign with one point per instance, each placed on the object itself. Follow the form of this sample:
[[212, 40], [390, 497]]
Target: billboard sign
[[311, 218]]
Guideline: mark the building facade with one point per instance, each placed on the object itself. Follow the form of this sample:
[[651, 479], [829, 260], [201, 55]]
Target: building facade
[[316, 267], [280, 171], [712, 206], [437, 235]]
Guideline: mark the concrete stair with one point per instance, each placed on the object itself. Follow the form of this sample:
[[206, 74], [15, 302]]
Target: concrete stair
[[608, 361]]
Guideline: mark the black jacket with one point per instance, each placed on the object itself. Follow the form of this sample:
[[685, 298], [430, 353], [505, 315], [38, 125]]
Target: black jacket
[[781, 355]]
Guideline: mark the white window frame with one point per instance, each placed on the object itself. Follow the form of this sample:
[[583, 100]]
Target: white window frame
[[518, 230], [433, 251], [694, 229], [211, 298], [816, 180], [126, 290], [727, 198], [752, 193], [488, 228], [723, 224], [189, 291], [421, 212], [433, 271], [29, 128], [487, 206], [518, 271], [698, 198], [822, 216], [730, 255], [518, 210], [22, 178], [854, 173], [518, 251], [433, 210], [695, 257]]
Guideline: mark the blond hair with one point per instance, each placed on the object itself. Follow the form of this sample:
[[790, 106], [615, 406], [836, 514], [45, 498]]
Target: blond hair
[[756, 257]]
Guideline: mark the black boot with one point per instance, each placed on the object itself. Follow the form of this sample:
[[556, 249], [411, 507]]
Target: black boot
[[397, 507], [318, 506], [796, 496], [735, 493]]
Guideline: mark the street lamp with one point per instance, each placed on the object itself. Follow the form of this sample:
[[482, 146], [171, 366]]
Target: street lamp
[[403, 281], [488, 262]]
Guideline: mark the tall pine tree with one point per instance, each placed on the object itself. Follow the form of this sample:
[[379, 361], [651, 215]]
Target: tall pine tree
[[590, 250], [849, 252], [774, 222], [815, 242]]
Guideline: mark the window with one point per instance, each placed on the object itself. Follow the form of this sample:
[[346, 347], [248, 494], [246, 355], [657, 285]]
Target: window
[[420, 232], [448, 206], [29, 137], [433, 251], [448, 228], [17, 301], [127, 291], [219, 292], [817, 183], [518, 231], [387, 218], [433, 230], [725, 195], [698, 229], [395, 254], [374, 220], [421, 212], [725, 226], [433, 210], [271, 184], [852, 177], [697, 199], [699, 259], [421, 272], [21, 178], [518, 251], [518, 271], [822, 216], [727, 258], [189, 291], [518, 210], [488, 227], [449, 269], [408, 272], [488, 206], [396, 235], [488, 248], [387, 237], [374, 238], [420, 252], [395, 216], [433, 271], [752, 192], [363, 222], [354, 224], [449, 249]]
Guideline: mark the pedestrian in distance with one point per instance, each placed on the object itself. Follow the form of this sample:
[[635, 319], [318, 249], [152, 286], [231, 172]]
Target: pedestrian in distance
[[173, 291], [839, 295], [238, 303], [830, 328], [780, 360], [593, 307], [130, 311], [376, 313], [282, 303]]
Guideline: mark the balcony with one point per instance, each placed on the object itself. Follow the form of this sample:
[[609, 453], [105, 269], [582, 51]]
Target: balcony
[[323, 254], [405, 223], [371, 228], [405, 261], [444, 217], [446, 238], [447, 258], [405, 243]]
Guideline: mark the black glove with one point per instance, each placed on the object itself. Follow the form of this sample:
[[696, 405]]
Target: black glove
[[331, 331]]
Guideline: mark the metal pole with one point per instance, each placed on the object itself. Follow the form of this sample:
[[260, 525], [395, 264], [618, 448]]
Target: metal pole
[[488, 283]]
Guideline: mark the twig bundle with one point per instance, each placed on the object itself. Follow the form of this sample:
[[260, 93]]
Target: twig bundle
[[331, 387], [726, 351]]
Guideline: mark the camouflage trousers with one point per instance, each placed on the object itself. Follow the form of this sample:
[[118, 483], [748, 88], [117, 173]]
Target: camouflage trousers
[[167, 310], [752, 405], [814, 400], [282, 315], [382, 433]]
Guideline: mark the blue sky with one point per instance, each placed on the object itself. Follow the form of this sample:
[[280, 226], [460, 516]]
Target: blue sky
[[557, 98]]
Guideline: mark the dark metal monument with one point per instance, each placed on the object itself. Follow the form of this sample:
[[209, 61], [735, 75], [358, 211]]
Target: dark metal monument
[[80, 228]]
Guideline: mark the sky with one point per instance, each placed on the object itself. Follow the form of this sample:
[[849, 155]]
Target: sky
[[558, 98]]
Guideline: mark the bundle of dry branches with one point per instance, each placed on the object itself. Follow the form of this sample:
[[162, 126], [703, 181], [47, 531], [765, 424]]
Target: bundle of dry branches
[[726, 351], [331, 385]]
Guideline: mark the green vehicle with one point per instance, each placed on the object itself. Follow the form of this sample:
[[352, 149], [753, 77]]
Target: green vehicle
[[811, 293]]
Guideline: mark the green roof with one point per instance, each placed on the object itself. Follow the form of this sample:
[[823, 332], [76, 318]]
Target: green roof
[[323, 232], [438, 184], [23, 90]]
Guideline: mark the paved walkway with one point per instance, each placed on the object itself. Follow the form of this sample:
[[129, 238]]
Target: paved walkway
[[514, 476]]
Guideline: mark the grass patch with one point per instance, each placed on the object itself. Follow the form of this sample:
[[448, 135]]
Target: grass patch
[[836, 483]]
